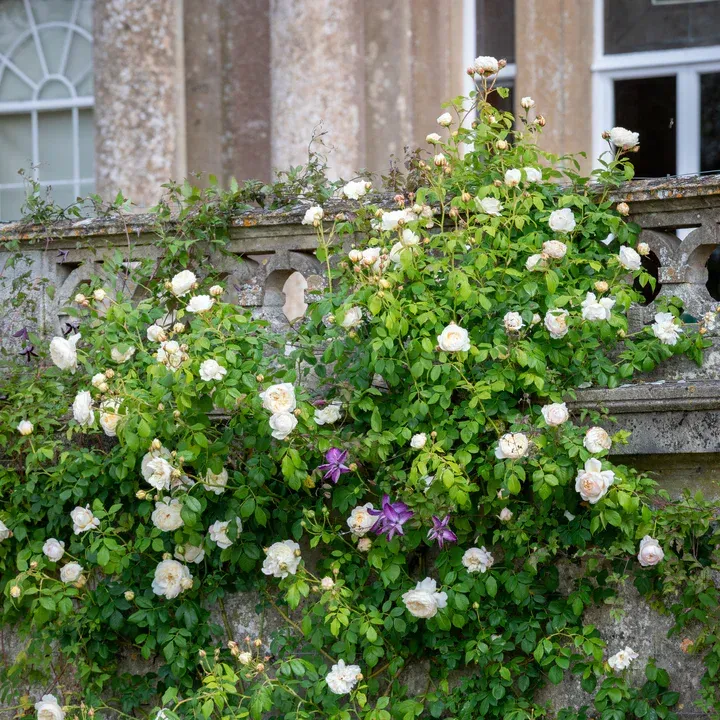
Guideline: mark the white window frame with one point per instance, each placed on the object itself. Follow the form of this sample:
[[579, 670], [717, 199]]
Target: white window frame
[[687, 64], [35, 106]]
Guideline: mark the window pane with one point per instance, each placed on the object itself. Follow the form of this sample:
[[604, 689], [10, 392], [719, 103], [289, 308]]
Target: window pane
[[55, 143], [647, 106], [496, 28], [87, 144], [635, 25], [710, 122], [15, 147], [10, 203]]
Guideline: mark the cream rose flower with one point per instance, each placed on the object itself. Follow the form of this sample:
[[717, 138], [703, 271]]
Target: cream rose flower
[[513, 322], [562, 220], [533, 175], [63, 352], [170, 355], [554, 249], [183, 283], [445, 120], [665, 329], [393, 219], [53, 549], [155, 333], [49, 709], [624, 139], [536, 262], [121, 356], [527, 103], [313, 216], [512, 446], [82, 409], [156, 470], [83, 520], [212, 370], [485, 65], [328, 415], [478, 559], [279, 398], [356, 189], [361, 521], [513, 177], [109, 417], [342, 678], [491, 206], [282, 559], [409, 239], [555, 414], [433, 138], [417, 441], [216, 483], [218, 532], [71, 572], [629, 258], [425, 600], [282, 424], [596, 440], [167, 515], [593, 482], [99, 382], [4, 531], [25, 427], [454, 339], [556, 323], [596, 310], [352, 318], [200, 303], [650, 553], [505, 515], [171, 578], [190, 554], [621, 660]]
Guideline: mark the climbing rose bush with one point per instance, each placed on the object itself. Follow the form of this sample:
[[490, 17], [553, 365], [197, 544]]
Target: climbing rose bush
[[399, 488]]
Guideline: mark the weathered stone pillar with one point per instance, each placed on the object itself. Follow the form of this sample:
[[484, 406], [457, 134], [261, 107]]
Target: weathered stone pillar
[[554, 41], [139, 113], [318, 75]]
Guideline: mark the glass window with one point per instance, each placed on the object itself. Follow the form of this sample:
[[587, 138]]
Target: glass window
[[46, 99], [637, 25], [496, 28], [710, 122], [647, 106]]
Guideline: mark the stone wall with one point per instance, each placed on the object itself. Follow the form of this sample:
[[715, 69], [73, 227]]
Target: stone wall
[[674, 415]]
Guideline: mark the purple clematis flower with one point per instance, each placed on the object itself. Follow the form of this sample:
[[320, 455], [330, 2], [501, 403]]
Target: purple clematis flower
[[440, 531], [391, 518], [334, 465]]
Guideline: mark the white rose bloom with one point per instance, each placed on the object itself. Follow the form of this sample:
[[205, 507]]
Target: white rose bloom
[[352, 318], [157, 471], [417, 441], [512, 177], [99, 382], [555, 414], [596, 310], [445, 120], [562, 220], [109, 417], [440, 159], [200, 303], [596, 440], [512, 446], [624, 139], [121, 357], [71, 572], [478, 559], [395, 252], [361, 521], [629, 258], [342, 678], [355, 256], [328, 415], [536, 262], [355, 189], [155, 333], [190, 554], [393, 219], [53, 549], [505, 515], [216, 290], [454, 339], [409, 238], [555, 249], [608, 239], [491, 206], [4, 531], [282, 559], [282, 424], [279, 398], [313, 216], [82, 408], [212, 370], [485, 65], [424, 601], [650, 553], [171, 578], [556, 323], [433, 138], [527, 103], [621, 660], [25, 427], [513, 322], [371, 258], [533, 175], [49, 709], [665, 329], [170, 355], [83, 520], [593, 482], [166, 516], [183, 283], [63, 352], [218, 532], [216, 483]]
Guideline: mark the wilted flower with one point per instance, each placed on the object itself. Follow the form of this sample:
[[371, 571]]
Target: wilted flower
[[554, 249], [556, 323], [513, 322], [505, 515], [352, 318], [623, 208], [361, 521]]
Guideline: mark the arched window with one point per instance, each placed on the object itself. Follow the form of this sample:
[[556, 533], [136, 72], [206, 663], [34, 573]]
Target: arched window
[[46, 99]]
